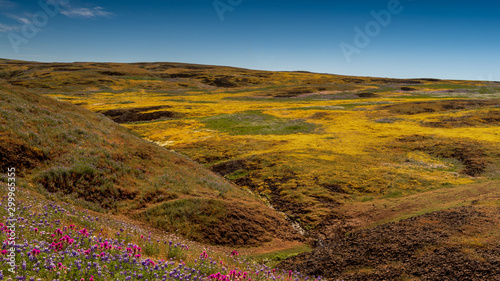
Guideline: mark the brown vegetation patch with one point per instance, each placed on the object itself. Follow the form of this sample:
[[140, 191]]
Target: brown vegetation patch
[[103, 65], [69, 68], [353, 80], [366, 95], [157, 196], [139, 114], [411, 108], [18, 154], [334, 226], [475, 119], [197, 66], [320, 115], [229, 167], [292, 208], [207, 152], [418, 247], [429, 79], [292, 92], [219, 222], [407, 89], [180, 75], [83, 182], [248, 226], [222, 82], [472, 154], [11, 74], [230, 81], [334, 187], [112, 73]]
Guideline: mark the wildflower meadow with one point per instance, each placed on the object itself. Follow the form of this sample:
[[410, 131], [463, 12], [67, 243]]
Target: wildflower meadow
[[55, 241]]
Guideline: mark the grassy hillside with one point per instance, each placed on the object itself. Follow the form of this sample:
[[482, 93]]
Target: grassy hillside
[[389, 179], [69, 153], [305, 142]]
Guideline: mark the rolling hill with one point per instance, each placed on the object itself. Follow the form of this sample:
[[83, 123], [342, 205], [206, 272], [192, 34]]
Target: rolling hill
[[72, 154], [387, 179]]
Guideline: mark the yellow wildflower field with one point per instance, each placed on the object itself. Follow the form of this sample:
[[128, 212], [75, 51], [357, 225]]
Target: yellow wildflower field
[[307, 142]]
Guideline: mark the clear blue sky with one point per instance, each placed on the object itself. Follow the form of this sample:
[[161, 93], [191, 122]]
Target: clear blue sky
[[440, 39]]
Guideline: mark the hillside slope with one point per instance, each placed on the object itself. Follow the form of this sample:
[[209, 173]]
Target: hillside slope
[[70, 153], [346, 158], [306, 142], [456, 244]]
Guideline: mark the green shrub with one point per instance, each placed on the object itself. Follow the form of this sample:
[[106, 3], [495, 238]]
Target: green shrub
[[176, 252], [151, 249]]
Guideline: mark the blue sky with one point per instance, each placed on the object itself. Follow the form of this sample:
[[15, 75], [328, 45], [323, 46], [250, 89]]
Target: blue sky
[[423, 38]]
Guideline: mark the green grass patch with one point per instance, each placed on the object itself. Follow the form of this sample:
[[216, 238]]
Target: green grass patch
[[273, 258], [257, 123], [366, 198], [326, 107], [394, 194], [237, 174], [191, 217]]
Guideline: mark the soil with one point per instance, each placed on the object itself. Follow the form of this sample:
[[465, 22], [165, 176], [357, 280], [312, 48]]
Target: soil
[[429, 247]]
